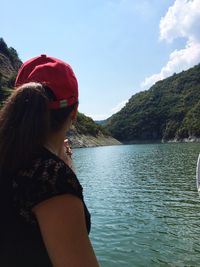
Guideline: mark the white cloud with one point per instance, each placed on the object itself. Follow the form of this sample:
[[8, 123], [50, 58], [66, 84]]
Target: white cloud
[[99, 117], [142, 8], [119, 106], [181, 20], [114, 110]]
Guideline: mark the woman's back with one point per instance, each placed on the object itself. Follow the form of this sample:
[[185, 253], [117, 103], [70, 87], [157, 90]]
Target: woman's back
[[21, 243]]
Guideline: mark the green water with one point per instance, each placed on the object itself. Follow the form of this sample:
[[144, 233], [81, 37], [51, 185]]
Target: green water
[[144, 203]]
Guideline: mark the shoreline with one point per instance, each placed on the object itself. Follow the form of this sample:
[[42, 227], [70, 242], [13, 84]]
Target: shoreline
[[191, 139], [81, 141]]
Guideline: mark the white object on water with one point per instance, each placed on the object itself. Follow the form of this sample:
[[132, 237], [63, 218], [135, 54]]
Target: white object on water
[[198, 174]]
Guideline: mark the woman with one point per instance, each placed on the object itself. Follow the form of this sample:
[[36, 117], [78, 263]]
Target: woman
[[44, 220]]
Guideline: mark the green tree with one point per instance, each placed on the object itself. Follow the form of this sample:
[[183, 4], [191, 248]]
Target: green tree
[[169, 109]]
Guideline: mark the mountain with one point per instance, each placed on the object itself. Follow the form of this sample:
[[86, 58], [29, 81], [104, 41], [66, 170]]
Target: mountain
[[85, 132], [170, 109], [9, 65], [101, 122]]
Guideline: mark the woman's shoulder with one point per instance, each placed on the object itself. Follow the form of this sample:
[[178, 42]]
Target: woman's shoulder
[[48, 169], [43, 164], [45, 177]]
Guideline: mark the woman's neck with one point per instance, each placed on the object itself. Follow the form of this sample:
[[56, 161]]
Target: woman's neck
[[55, 141]]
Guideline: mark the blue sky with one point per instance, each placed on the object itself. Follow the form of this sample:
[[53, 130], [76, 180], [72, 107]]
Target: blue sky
[[116, 47]]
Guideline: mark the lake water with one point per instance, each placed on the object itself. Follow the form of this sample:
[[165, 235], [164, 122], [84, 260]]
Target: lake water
[[144, 203]]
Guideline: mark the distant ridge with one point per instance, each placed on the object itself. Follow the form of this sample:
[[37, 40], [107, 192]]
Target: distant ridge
[[100, 122], [169, 110]]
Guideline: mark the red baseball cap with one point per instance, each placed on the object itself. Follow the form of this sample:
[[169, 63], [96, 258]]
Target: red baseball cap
[[55, 74]]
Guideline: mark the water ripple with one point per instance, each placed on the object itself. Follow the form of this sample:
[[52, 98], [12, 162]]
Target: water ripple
[[144, 205]]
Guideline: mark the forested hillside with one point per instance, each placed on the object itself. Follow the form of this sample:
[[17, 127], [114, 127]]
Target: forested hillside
[[168, 110], [9, 65]]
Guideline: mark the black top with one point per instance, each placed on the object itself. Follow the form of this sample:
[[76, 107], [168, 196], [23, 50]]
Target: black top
[[21, 243]]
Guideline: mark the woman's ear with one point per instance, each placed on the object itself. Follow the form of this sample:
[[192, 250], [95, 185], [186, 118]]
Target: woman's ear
[[74, 113]]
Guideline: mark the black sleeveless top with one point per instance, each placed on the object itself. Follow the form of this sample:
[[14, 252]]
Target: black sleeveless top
[[21, 243]]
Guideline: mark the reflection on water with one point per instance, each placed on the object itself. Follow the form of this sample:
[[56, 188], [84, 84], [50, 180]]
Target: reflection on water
[[144, 203]]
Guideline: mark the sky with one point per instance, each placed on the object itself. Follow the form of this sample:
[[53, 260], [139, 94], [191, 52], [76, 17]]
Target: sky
[[115, 47]]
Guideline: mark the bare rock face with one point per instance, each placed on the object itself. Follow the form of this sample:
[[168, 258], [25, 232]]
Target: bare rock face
[[78, 140], [6, 67], [9, 65]]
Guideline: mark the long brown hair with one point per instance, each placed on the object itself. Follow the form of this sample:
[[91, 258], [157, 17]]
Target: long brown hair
[[25, 121]]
